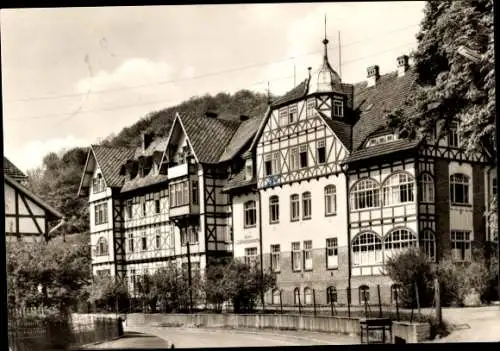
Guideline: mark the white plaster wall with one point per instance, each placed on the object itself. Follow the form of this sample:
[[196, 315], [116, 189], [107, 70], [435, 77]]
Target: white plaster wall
[[244, 237], [462, 217]]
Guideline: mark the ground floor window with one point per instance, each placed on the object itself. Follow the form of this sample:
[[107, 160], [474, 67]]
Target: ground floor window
[[331, 295], [364, 294], [461, 246], [296, 296], [308, 296], [428, 244], [276, 297], [367, 249]]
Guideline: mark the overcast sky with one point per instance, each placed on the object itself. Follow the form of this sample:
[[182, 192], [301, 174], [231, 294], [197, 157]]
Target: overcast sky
[[71, 76]]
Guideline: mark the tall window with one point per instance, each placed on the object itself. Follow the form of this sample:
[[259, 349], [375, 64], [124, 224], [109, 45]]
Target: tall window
[[308, 255], [332, 259], [311, 103], [428, 244], [275, 258], [303, 156], [398, 241], [367, 249], [250, 256], [144, 241], [365, 194], [294, 158], [398, 189], [426, 188], [494, 187], [338, 108], [131, 242], [157, 206], [268, 165], [101, 213], [364, 294], [292, 113], [274, 209], [294, 207], [248, 169], [330, 200], [308, 296], [461, 246], [459, 189], [98, 184], [276, 297], [194, 192], [143, 207], [179, 194], [296, 296], [250, 214], [158, 239], [331, 295], [283, 120], [453, 137], [128, 209], [276, 162], [306, 205], [190, 234], [296, 256], [102, 247], [395, 293], [321, 151]]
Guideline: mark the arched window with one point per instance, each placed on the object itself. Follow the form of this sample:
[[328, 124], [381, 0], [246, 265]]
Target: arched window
[[459, 189], [102, 247], [296, 296], [398, 189], [250, 214], [399, 240], [365, 194], [367, 249], [331, 295], [364, 294], [395, 294], [294, 207], [330, 200], [274, 209], [308, 298], [306, 205], [426, 188], [276, 297], [428, 244]]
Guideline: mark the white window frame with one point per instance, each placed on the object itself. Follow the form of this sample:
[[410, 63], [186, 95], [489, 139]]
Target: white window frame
[[250, 214], [294, 207], [131, 246], [101, 213], [364, 294], [275, 258], [308, 296], [296, 257], [274, 209], [308, 255], [292, 113], [268, 160], [331, 295], [283, 116], [367, 249], [453, 135], [102, 248], [251, 256], [276, 297], [427, 194], [330, 200], [457, 181], [276, 162], [303, 150], [338, 108], [311, 104], [144, 242], [365, 194], [306, 205], [294, 158], [399, 188], [332, 258], [428, 244], [320, 144], [461, 245], [398, 241]]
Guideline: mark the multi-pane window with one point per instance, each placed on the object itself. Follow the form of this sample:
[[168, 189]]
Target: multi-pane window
[[250, 214], [428, 244], [98, 184], [276, 297], [250, 256], [274, 209], [296, 296], [303, 156], [321, 151], [308, 255], [426, 188], [194, 192], [131, 242], [365, 194], [453, 137], [461, 246], [332, 258], [248, 170], [306, 205], [283, 119], [268, 165], [330, 200], [338, 108], [179, 194], [190, 235], [157, 206], [276, 162], [308, 296], [292, 113], [294, 158], [275, 258], [311, 104], [459, 189], [331, 295], [144, 242], [128, 209], [398, 189], [158, 239], [102, 247], [395, 293], [294, 207], [296, 256], [381, 140], [133, 280], [101, 213], [367, 249], [364, 294], [398, 241]]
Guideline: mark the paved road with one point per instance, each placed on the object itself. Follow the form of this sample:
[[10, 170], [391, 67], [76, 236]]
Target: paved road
[[132, 340], [206, 337]]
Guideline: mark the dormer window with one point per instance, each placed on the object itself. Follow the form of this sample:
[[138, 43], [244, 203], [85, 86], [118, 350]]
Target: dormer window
[[283, 119], [98, 184], [453, 137], [292, 114], [248, 170], [311, 104], [383, 139], [338, 108]]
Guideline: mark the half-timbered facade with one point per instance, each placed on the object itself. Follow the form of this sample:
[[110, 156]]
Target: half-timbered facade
[[27, 216]]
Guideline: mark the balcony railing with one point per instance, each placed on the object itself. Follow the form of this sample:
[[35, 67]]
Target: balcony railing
[[185, 210]]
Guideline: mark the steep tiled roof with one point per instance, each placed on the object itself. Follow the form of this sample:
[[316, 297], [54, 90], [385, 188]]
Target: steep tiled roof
[[158, 144], [298, 92], [341, 129], [381, 150], [245, 132], [208, 136], [372, 103], [11, 170], [141, 182], [110, 160], [239, 181]]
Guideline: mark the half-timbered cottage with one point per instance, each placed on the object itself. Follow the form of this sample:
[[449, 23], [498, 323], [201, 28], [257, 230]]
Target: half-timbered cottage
[[27, 216]]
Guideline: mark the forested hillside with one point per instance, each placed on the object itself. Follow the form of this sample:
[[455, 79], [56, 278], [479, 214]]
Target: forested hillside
[[58, 179]]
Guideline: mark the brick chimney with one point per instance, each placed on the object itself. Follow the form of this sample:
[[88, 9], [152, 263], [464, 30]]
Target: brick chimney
[[211, 114], [403, 65], [147, 138], [373, 75]]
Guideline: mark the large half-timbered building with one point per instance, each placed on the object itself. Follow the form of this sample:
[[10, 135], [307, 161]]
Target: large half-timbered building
[[319, 190]]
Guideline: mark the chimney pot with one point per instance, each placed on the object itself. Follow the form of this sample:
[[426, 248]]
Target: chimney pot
[[243, 118], [403, 65], [211, 114], [373, 75], [147, 138]]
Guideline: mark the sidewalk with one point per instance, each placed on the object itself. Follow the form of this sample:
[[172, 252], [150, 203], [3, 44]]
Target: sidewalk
[[131, 340]]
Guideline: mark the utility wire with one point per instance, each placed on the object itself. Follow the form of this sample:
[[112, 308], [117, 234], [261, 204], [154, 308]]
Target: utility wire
[[202, 75]]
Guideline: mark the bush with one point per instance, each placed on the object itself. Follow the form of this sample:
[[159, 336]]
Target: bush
[[408, 269]]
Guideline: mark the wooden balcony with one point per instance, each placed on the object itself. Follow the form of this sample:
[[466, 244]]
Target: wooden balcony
[[182, 170], [184, 211]]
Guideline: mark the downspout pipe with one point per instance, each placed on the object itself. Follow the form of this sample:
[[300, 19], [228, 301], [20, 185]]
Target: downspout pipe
[[61, 222], [261, 252]]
